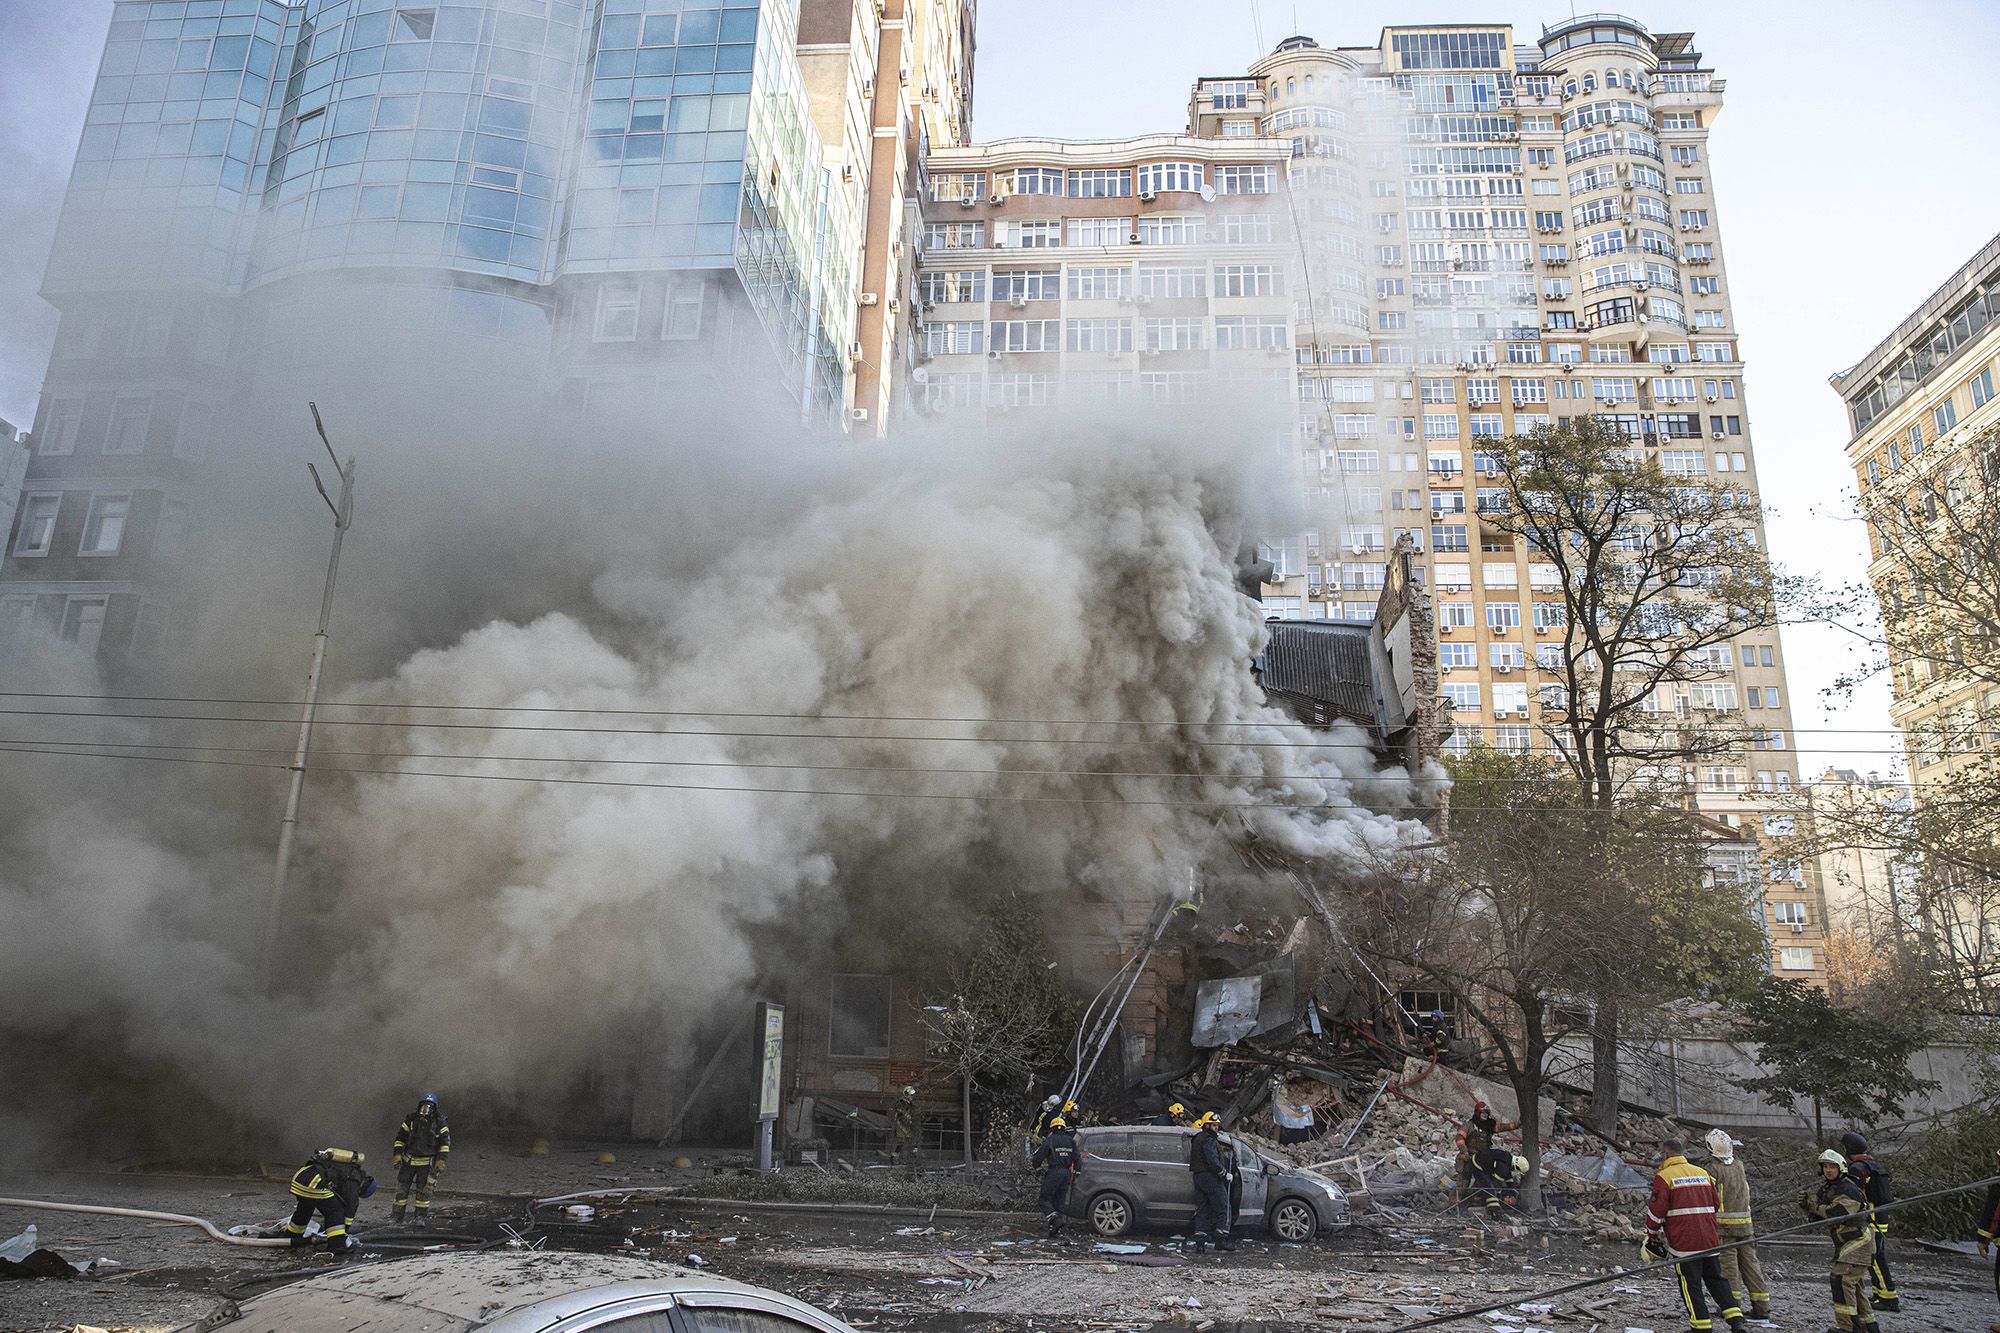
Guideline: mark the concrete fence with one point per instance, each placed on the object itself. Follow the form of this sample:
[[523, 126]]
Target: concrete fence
[[1696, 1077]]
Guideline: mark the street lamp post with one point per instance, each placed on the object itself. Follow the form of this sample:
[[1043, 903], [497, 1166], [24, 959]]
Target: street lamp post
[[343, 518]]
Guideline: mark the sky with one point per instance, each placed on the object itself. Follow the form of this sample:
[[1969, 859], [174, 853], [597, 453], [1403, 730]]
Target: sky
[[1851, 164]]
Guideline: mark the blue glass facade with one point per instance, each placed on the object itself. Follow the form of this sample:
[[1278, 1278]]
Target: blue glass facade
[[525, 145]]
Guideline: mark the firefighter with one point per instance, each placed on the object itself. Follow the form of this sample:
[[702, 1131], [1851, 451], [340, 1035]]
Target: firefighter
[[1838, 1200], [1989, 1227], [333, 1184], [1433, 1035], [1051, 1108], [422, 1143], [1474, 1137], [1496, 1177], [1873, 1178], [1061, 1162], [1680, 1224], [1212, 1178], [905, 1116], [1733, 1224], [1175, 1114]]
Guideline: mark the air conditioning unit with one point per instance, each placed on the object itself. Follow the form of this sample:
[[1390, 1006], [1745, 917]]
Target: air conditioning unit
[[1798, 927], [854, 351], [869, 298], [993, 352], [1018, 301], [1143, 299], [857, 414], [1148, 197], [1447, 670], [1149, 351], [1505, 669], [997, 199], [1709, 397], [1542, 629], [1717, 435], [847, 171], [1446, 629]]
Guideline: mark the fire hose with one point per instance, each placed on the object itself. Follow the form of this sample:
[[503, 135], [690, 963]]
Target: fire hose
[[215, 1232], [1625, 1274]]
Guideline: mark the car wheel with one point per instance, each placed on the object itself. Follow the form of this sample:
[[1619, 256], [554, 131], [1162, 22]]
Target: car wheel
[[1294, 1221], [1110, 1214]]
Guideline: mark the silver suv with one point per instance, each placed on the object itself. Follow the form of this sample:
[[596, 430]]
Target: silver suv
[[1137, 1175]]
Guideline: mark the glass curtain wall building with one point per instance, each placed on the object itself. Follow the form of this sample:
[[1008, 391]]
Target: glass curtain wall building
[[578, 199]]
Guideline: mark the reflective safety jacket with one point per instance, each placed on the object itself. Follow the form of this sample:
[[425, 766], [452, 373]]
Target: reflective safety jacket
[[1837, 1203], [1732, 1187], [423, 1137], [1682, 1207], [1989, 1216], [1059, 1152], [1873, 1178], [320, 1179]]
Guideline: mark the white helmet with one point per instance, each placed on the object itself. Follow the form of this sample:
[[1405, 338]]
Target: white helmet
[[1721, 1144], [1051, 1102]]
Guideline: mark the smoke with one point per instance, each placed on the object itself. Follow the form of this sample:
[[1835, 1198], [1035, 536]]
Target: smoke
[[499, 899]]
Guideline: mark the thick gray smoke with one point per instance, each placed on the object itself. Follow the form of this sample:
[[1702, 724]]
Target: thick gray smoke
[[477, 932]]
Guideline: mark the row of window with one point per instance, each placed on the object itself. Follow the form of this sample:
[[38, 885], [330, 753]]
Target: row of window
[[1089, 283], [1151, 229], [104, 525], [942, 392], [1190, 333], [1979, 390], [1105, 182], [125, 432]]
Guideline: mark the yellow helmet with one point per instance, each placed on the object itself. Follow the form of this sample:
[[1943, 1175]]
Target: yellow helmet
[[1177, 1109], [1068, 1107], [1208, 1120], [1058, 1123]]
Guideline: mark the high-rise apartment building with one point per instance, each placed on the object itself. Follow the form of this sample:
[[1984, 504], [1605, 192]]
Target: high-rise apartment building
[[1147, 270], [1466, 237], [1922, 408], [573, 202]]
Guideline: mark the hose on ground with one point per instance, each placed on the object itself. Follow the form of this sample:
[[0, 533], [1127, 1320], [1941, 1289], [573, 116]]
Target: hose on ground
[[215, 1232]]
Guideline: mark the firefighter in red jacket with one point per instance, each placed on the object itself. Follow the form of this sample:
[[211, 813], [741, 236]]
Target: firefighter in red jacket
[[1680, 1222], [1989, 1228]]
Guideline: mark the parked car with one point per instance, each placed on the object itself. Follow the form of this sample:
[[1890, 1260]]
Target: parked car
[[503, 1291], [1137, 1175]]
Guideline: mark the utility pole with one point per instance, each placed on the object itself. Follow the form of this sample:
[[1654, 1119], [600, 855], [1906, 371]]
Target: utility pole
[[343, 518]]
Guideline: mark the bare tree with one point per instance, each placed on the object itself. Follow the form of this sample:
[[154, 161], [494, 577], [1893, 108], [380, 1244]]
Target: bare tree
[[1657, 573], [999, 1015]]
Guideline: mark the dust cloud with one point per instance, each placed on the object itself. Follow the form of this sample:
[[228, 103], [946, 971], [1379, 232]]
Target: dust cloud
[[799, 681]]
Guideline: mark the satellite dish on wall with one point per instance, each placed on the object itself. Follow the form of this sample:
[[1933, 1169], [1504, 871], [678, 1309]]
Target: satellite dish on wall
[[1208, 194], [920, 376]]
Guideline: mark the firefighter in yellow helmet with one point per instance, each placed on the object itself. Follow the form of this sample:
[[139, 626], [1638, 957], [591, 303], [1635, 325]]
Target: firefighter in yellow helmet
[[333, 1184], [1176, 1115], [1061, 1161], [1213, 1171]]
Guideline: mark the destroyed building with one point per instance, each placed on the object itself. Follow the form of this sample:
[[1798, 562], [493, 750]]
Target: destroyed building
[[1235, 952]]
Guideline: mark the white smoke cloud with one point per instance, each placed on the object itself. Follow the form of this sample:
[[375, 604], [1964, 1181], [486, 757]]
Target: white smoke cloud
[[507, 936]]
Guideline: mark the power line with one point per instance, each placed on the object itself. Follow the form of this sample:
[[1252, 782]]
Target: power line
[[805, 735], [13, 748]]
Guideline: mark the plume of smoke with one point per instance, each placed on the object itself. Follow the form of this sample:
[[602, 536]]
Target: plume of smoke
[[483, 931]]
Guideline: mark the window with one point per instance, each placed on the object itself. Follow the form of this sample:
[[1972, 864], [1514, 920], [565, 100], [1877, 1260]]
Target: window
[[955, 236], [1943, 417], [941, 286], [945, 338], [1464, 695], [1254, 333], [1502, 617], [1248, 229], [1021, 390], [1505, 656], [38, 524], [1038, 235], [1099, 284], [1243, 179], [1171, 281], [858, 1016], [413, 25], [1691, 185], [83, 621], [1035, 284], [1982, 388], [130, 418], [58, 436], [104, 526], [682, 318], [1164, 229], [1792, 959], [1183, 334], [1024, 335], [1098, 335], [950, 186], [618, 312], [1100, 231], [1031, 180], [170, 534], [1246, 280], [1456, 655], [1448, 537], [1180, 177]]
